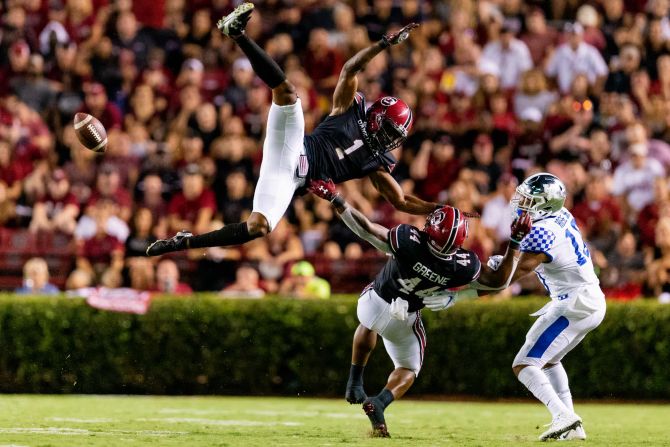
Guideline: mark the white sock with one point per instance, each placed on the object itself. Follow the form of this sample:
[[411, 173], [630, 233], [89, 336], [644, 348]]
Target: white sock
[[559, 381], [538, 384]]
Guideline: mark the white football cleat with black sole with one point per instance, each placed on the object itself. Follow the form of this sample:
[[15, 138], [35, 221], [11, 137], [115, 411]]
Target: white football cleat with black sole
[[576, 434], [561, 424], [233, 24]]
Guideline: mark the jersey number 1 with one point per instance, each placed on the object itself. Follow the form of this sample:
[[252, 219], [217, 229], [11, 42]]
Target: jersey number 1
[[341, 153]]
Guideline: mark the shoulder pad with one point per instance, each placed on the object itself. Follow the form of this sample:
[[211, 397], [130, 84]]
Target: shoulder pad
[[539, 240], [404, 237]]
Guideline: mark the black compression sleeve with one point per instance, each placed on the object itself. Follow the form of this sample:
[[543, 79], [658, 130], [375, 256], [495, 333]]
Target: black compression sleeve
[[264, 66], [232, 234]]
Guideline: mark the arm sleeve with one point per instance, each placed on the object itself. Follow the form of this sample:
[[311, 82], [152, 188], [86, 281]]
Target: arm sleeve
[[359, 231]]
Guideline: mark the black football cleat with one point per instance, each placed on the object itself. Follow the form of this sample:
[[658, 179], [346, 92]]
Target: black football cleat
[[355, 394], [233, 24], [374, 410], [175, 243]]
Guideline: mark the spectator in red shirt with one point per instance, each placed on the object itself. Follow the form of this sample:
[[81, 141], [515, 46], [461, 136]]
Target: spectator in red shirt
[[97, 104], [323, 63], [435, 167], [11, 171], [108, 186], [648, 217], [462, 116], [151, 188], [59, 209], [539, 37], [193, 208], [598, 214], [167, 279], [101, 251]]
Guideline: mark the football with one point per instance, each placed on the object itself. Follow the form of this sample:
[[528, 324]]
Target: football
[[90, 132]]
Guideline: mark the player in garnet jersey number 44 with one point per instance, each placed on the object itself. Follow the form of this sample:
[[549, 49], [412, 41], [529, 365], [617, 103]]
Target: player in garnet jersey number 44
[[354, 141], [423, 262]]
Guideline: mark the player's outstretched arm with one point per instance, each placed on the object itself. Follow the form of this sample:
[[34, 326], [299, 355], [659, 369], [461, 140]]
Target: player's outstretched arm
[[377, 235], [389, 188], [498, 275], [347, 83]]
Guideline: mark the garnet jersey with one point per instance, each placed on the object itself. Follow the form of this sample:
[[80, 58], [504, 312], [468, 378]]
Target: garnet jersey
[[414, 272], [336, 149]]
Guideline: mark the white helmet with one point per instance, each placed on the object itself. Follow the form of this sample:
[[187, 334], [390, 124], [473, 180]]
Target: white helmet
[[540, 195]]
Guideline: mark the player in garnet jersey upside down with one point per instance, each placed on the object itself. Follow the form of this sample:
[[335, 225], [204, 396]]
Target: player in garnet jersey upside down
[[352, 142]]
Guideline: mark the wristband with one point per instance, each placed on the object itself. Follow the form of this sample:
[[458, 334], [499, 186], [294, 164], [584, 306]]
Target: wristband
[[384, 42], [514, 244], [338, 201]]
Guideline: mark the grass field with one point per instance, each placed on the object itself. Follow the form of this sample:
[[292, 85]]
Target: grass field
[[212, 421]]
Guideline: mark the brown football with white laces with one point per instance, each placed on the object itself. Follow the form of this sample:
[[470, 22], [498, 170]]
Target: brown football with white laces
[[90, 132]]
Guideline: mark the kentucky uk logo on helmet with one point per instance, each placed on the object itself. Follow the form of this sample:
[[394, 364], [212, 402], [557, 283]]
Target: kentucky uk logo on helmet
[[540, 195]]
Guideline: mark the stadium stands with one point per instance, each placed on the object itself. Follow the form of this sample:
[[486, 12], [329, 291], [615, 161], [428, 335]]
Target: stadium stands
[[499, 90]]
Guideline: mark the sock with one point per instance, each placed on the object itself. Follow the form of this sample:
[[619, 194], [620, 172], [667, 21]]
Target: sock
[[559, 381], [264, 66], [385, 397], [538, 384], [356, 374], [232, 234]]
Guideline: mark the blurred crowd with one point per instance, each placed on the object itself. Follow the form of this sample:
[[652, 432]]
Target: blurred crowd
[[500, 89]]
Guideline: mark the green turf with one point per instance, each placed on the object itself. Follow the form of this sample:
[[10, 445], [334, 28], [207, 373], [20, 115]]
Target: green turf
[[210, 421]]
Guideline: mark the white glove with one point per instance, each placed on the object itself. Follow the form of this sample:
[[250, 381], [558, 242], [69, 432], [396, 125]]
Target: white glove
[[440, 302], [399, 309], [494, 262]]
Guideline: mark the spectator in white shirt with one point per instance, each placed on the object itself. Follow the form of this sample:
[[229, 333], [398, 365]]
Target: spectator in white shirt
[[577, 57], [510, 54], [497, 215], [634, 180]]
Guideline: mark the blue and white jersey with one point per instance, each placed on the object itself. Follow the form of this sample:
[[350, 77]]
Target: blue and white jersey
[[570, 267]]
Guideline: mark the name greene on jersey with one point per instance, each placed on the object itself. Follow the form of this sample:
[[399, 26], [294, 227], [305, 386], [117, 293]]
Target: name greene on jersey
[[414, 272], [337, 150]]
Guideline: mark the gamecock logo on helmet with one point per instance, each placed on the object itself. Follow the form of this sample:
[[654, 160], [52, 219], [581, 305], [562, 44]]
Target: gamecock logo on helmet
[[437, 217], [388, 101]]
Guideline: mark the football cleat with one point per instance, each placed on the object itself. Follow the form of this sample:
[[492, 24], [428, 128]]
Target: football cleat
[[175, 243], [233, 24], [375, 413], [577, 434], [355, 394], [561, 424]]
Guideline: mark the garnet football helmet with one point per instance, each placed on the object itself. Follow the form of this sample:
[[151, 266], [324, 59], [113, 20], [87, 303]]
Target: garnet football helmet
[[539, 195], [389, 120], [447, 229]]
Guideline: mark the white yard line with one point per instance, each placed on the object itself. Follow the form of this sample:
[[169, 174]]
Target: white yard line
[[83, 432], [297, 413], [82, 421], [222, 422]]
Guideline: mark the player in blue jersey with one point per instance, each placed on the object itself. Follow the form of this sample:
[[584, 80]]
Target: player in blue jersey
[[555, 251], [423, 262], [354, 141]]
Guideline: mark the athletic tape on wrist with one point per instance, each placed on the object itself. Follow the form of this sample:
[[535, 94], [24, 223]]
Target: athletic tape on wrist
[[338, 201]]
